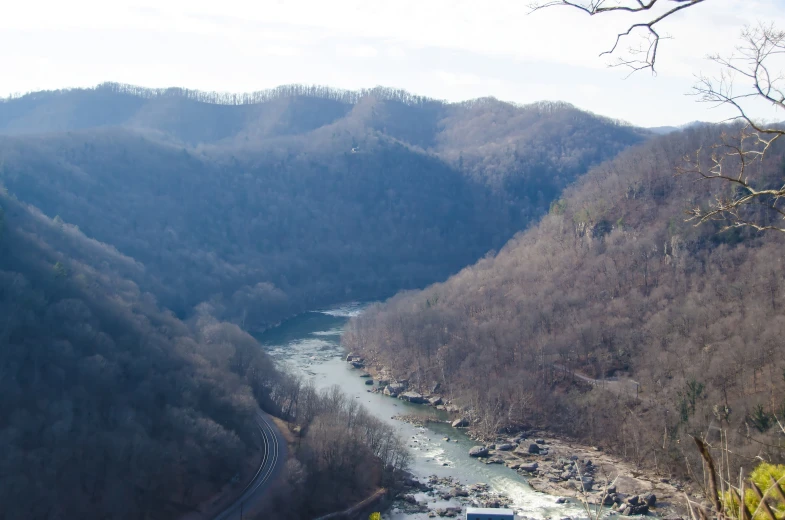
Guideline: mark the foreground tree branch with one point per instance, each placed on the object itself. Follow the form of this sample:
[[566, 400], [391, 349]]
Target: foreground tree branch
[[736, 158], [645, 55], [749, 201]]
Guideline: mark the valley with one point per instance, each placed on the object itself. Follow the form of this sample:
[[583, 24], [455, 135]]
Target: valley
[[309, 344], [532, 261]]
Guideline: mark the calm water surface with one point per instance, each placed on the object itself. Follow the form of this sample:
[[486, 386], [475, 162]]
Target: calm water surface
[[309, 344]]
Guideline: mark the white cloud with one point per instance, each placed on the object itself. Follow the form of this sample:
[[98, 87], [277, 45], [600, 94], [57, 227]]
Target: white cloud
[[445, 48], [356, 51]]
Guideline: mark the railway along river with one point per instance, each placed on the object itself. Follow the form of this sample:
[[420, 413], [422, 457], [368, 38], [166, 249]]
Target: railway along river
[[309, 345]]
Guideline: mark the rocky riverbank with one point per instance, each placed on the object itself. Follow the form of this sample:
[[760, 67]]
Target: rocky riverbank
[[558, 467], [445, 497], [583, 473]]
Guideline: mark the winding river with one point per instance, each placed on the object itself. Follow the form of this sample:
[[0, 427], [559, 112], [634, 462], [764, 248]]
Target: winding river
[[309, 344]]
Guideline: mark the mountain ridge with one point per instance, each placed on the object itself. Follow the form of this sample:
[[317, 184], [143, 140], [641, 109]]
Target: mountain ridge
[[248, 191]]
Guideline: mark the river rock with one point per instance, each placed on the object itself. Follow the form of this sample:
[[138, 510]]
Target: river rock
[[393, 389], [529, 468], [460, 423], [640, 509], [435, 400], [412, 397], [650, 499], [534, 448], [349, 357], [505, 447], [357, 364], [478, 451], [369, 381], [383, 382], [365, 374]]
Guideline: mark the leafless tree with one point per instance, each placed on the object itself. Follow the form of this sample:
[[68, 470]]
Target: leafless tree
[[644, 56], [749, 200], [736, 159]]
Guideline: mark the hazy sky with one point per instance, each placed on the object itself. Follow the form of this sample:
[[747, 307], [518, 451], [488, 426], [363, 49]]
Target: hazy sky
[[447, 49]]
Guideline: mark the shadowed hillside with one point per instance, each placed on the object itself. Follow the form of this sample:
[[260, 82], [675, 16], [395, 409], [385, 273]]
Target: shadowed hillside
[[265, 204], [112, 407]]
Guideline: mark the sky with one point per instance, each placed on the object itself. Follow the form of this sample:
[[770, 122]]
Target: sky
[[446, 49]]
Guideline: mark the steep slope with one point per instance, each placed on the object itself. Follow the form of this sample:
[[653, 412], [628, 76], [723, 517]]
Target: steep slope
[[611, 284], [266, 204], [112, 408]]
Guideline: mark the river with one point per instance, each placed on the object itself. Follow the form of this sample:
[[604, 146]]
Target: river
[[309, 345]]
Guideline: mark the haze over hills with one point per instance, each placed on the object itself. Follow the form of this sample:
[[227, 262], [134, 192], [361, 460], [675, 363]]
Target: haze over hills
[[266, 204], [662, 130]]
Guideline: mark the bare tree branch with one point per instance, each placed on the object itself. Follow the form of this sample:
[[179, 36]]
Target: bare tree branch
[[651, 36], [736, 159]]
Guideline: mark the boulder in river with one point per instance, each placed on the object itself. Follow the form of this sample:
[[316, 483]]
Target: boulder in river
[[369, 381], [505, 447], [640, 509], [393, 389], [357, 364], [412, 397], [435, 400], [460, 423], [478, 451], [534, 448], [529, 468]]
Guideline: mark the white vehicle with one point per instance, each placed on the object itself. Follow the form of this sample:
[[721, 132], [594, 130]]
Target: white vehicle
[[487, 513]]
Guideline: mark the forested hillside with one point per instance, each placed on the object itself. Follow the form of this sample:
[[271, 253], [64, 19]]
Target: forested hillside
[[685, 322], [262, 205], [112, 407]]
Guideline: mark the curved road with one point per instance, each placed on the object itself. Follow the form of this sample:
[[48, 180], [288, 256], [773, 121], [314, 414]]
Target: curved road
[[273, 460], [615, 385]]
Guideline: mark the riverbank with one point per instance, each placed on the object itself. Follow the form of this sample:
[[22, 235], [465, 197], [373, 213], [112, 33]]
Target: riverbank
[[551, 464], [309, 345], [587, 474]]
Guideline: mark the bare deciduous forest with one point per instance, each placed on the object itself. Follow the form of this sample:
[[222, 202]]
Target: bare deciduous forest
[[297, 197], [115, 408], [682, 326], [144, 231]]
